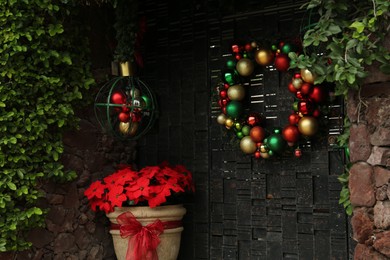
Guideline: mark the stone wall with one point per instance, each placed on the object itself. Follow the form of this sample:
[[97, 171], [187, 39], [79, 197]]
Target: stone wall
[[73, 231], [369, 181]]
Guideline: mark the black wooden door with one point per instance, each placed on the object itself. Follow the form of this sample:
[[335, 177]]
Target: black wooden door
[[244, 208]]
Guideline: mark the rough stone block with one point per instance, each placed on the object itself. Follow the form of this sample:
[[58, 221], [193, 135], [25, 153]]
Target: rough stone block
[[381, 136], [382, 243], [359, 144], [361, 186], [382, 214], [362, 225], [382, 176], [379, 156]]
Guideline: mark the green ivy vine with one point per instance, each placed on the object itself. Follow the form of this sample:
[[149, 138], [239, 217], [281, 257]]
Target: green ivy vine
[[338, 47], [44, 73]]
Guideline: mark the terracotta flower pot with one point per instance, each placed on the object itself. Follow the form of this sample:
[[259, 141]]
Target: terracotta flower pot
[[168, 248]]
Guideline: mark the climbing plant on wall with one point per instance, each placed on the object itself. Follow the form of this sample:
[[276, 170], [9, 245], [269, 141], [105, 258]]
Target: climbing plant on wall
[[44, 73]]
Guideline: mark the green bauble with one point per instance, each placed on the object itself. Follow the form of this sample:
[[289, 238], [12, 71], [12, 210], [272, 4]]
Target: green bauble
[[239, 135], [230, 76], [276, 143], [234, 109], [287, 48], [231, 64], [295, 106], [246, 129], [148, 101]]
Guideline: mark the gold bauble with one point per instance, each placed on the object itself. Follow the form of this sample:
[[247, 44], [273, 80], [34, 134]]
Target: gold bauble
[[297, 83], [128, 128], [308, 125], [221, 119], [236, 92], [247, 145], [245, 67], [253, 44], [264, 57], [307, 76], [229, 122], [265, 155], [263, 148]]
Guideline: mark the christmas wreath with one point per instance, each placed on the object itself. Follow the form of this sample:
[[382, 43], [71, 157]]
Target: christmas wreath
[[249, 128]]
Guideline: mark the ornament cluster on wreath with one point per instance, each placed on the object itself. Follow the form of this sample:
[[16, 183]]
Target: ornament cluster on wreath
[[303, 122]]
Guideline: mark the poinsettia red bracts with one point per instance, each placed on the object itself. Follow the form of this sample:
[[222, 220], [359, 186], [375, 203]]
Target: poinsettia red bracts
[[152, 184]]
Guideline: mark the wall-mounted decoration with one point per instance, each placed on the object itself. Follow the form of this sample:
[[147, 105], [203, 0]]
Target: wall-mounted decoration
[[125, 106], [250, 128]]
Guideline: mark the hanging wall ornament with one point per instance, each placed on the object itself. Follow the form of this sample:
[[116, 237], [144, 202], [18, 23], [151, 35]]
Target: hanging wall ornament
[[250, 127], [125, 106]]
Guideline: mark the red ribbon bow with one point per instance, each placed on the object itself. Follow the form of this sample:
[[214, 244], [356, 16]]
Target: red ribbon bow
[[143, 239]]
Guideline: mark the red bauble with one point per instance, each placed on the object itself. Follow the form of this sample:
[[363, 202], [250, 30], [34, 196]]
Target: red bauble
[[318, 94], [291, 88], [124, 117], [297, 76], [293, 119], [223, 102], [291, 133], [300, 95], [224, 110], [118, 98], [226, 86], [136, 116], [248, 47], [238, 56], [254, 119], [223, 93], [235, 48], [282, 62], [257, 154], [305, 107], [306, 88], [257, 134], [297, 153], [316, 113]]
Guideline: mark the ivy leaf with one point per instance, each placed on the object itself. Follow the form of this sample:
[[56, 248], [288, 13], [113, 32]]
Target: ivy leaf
[[359, 26], [334, 29]]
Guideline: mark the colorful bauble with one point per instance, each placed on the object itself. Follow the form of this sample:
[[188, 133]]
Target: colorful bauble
[[307, 76], [308, 125], [291, 133], [236, 92], [257, 134], [282, 62], [264, 57], [247, 145], [234, 109], [275, 143], [245, 67], [221, 119]]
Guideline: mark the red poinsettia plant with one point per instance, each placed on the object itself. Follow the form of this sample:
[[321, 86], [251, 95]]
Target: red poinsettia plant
[[152, 186]]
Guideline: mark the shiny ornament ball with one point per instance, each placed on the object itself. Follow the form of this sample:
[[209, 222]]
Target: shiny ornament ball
[[264, 57], [318, 94], [297, 76], [246, 130], [286, 48], [223, 93], [118, 98], [123, 117], [229, 122], [245, 67], [135, 93], [293, 119], [254, 119], [316, 113], [239, 135], [307, 76], [148, 101], [231, 64], [295, 106], [226, 86], [297, 83], [254, 44], [247, 145], [291, 133], [300, 95], [229, 76], [128, 128], [236, 92], [234, 109], [238, 126], [276, 143], [306, 107], [265, 155], [308, 125], [248, 47], [263, 148], [257, 134], [282, 62], [306, 88], [221, 119], [297, 153], [291, 88], [257, 155]]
